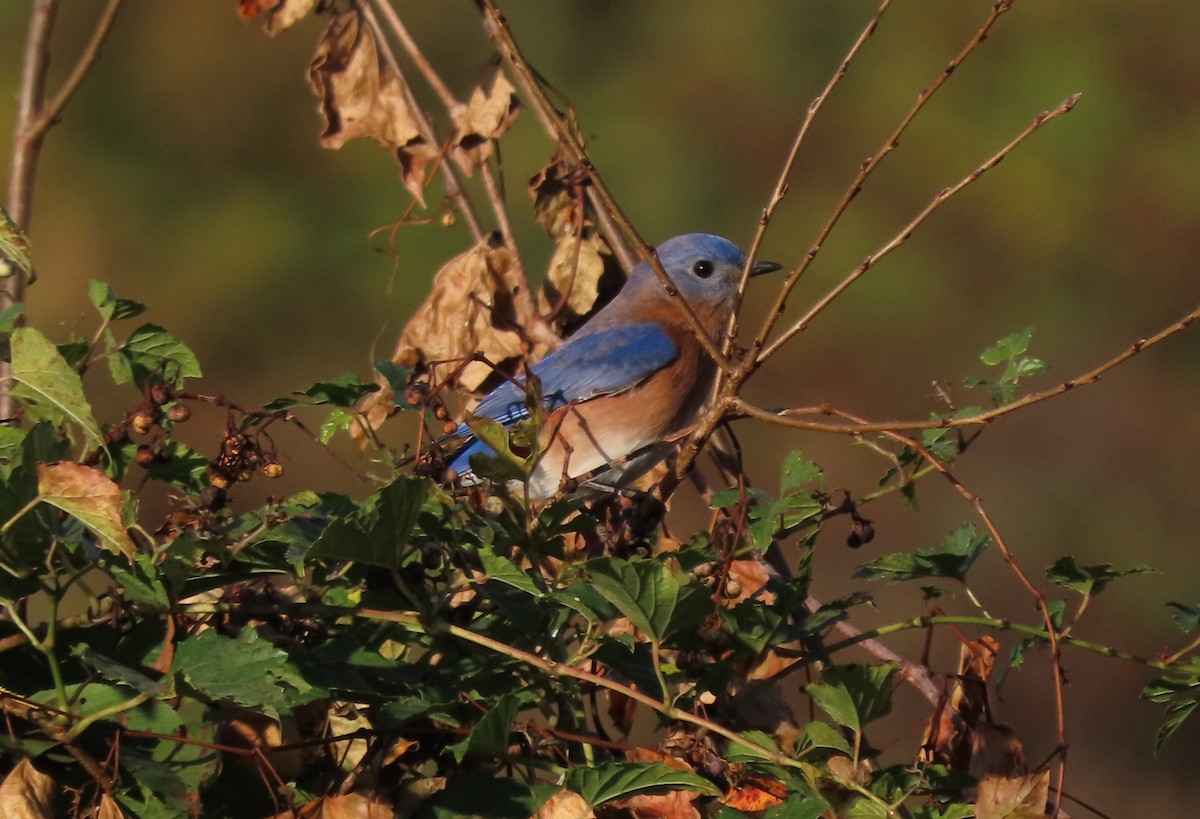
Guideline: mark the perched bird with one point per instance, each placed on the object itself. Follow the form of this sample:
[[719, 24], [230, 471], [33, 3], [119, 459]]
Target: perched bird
[[630, 378]]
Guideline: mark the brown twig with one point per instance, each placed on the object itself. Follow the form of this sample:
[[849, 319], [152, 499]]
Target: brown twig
[[907, 231], [1006, 553], [781, 185], [785, 417], [496, 27], [453, 184]]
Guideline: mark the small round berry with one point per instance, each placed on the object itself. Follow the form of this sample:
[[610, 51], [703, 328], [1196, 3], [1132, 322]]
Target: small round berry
[[142, 423], [179, 413], [272, 469]]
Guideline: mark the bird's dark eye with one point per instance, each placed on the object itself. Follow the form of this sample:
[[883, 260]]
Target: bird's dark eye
[[703, 268]]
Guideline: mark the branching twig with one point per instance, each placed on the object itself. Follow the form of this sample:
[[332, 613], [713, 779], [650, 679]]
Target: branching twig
[[787, 417], [907, 231]]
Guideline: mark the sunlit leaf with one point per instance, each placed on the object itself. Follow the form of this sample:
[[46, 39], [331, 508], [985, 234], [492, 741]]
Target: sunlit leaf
[[613, 780], [1088, 579], [90, 496], [46, 380], [658, 601]]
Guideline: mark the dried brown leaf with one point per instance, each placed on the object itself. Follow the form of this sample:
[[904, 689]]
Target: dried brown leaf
[[574, 275], [109, 809], [347, 806], [672, 805], [621, 710], [750, 576], [249, 9], [485, 117], [468, 311], [557, 191], [565, 805], [997, 751], [90, 496], [27, 793], [363, 96], [1018, 797], [287, 14]]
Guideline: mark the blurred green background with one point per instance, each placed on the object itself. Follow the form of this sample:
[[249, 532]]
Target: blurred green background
[[187, 173]]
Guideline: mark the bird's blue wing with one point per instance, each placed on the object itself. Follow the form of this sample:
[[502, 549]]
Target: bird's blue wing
[[605, 362]]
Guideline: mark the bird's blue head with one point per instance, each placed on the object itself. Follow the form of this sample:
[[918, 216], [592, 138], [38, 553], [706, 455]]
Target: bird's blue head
[[704, 268]]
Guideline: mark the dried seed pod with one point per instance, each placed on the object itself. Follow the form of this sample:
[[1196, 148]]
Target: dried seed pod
[[272, 469], [145, 456], [219, 480], [179, 413], [159, 394], [142, 423]]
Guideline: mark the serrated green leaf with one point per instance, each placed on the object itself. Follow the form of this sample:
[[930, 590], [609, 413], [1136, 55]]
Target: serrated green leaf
[[396, 376], [343, 391], [117, 672], [109, 305], [855, 694], [47, 382], [655, 599], [379, 533], [1186, 617], [797, 471], [1007, 348], [744, 753], [614, 780], [960, 550], [824, 735], [489, 736], [338, 420], [248, 671], [152, 353], [1088, 580]]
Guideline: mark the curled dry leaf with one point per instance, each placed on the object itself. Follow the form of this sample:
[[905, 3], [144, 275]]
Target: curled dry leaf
[[362, 96], [27, 793], [485, 117], [283, 13], [468, 311], [90, 496], [574, 276], [347, 806], [558, 197], [1015, 797], [750, 576], [109, 809], [565, 805]]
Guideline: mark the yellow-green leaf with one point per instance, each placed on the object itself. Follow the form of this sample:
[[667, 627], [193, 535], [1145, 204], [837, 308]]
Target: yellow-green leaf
[[45, 378]]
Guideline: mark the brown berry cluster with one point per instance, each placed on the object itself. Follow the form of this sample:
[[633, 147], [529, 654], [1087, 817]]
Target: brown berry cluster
[[160, 408], [241, 456]]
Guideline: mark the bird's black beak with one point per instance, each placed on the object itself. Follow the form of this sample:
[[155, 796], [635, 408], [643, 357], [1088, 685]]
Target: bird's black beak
[[762, 266]]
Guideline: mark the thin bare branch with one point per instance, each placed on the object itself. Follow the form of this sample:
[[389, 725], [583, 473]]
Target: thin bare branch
[[496, 27], [453, 184], [907, 231], [865, 171], [785, 173], [787, 417]]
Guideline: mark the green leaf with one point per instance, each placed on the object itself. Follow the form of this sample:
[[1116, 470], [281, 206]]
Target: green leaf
[[855, 694], [153, 354], [343, 391], [117, 672], [248, 671], [1186, 617], [1007, 348], [110, 306], [489, 736], [656, 600], [613, 780], [959, 552], [338, 420], [1180, 692], [743, 753], [797, 471], [824, 735], [379, 533], [46, 380], [1088, 580], [397, 377]]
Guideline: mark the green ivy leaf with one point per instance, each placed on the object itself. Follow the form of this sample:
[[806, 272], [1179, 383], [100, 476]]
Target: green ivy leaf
[[614, 780], [48, 384]]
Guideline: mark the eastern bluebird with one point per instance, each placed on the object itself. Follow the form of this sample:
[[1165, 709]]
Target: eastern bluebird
[[630, 378]]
